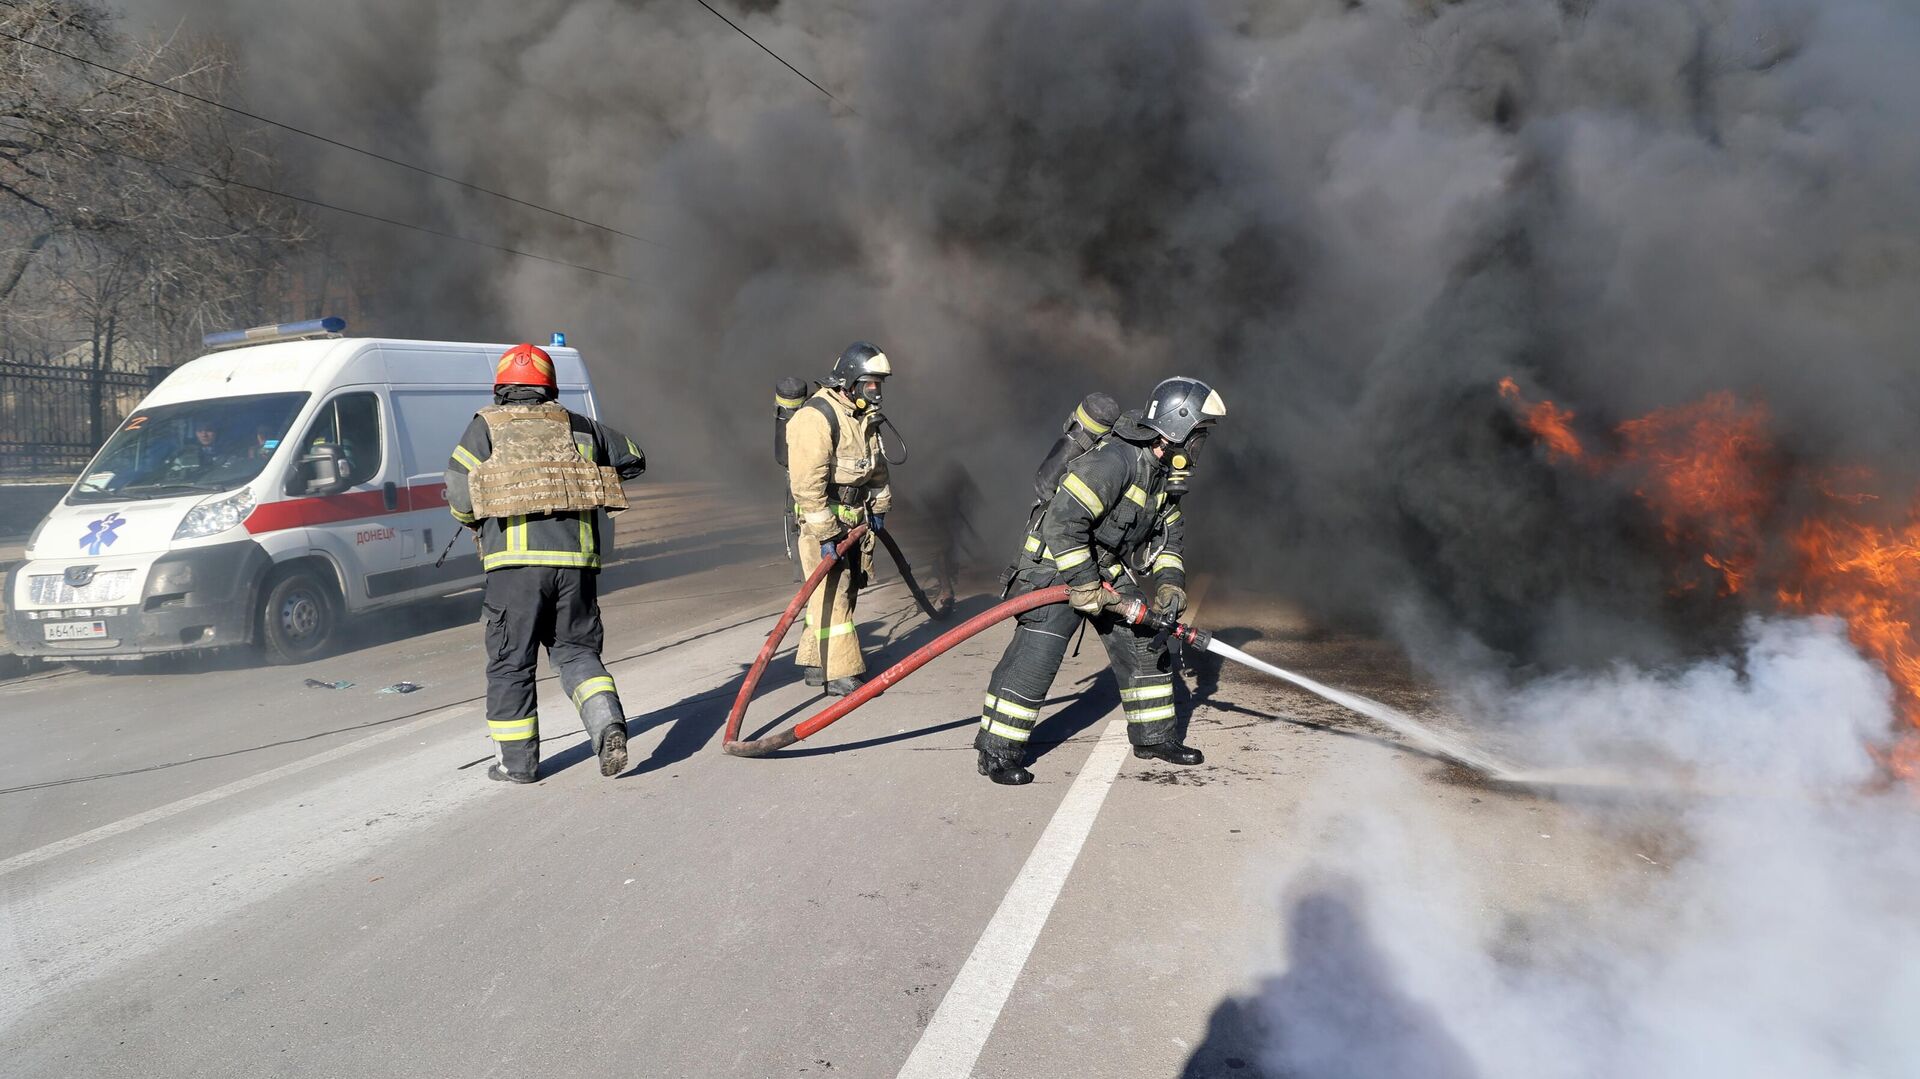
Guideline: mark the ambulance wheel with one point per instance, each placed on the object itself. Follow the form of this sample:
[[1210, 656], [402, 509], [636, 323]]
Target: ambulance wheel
[[297, 618]]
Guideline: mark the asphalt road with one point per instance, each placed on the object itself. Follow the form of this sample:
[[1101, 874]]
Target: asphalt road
[[216, 870]]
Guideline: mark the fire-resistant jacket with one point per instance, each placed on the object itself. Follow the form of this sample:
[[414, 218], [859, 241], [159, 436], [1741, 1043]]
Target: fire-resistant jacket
[[1110, 512], [828, 479], [540, 539]]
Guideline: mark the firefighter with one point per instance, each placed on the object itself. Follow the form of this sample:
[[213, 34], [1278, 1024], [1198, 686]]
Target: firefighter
[[838, 476], [531, 478], [1113, 519]]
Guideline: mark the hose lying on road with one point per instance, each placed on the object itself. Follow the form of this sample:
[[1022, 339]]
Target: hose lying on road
[[906, 574], [760, 747]]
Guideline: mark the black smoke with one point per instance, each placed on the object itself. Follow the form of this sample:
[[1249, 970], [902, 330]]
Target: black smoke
[[1353, 217]]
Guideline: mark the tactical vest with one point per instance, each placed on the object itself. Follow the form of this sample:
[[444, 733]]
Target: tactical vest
[[536, 467]]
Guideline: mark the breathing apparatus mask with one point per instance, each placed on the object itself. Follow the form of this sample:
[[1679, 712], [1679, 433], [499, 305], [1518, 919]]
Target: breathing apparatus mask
[[1180, 459], [865, 394]]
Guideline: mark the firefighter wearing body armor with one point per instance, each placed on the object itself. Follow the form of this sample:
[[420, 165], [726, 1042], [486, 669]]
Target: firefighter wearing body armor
[[532, 479], [1111, 529], [837, 472]]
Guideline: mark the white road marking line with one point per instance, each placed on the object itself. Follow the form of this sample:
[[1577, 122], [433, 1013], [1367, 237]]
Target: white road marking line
[[965, 1019], [173, 809]]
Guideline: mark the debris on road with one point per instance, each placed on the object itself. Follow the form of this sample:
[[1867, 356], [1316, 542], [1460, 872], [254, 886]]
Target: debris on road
[[403, 687], [315, 683]]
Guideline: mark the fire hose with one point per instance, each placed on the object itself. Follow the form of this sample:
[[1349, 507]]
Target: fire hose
[[906, 574], [760, 747], [1130, 611]]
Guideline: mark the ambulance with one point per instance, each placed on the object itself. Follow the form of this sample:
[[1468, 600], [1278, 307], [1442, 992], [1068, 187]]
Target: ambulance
[[262, 494]]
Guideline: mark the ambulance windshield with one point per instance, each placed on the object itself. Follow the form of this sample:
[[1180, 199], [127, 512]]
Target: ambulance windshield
[[188, 447]]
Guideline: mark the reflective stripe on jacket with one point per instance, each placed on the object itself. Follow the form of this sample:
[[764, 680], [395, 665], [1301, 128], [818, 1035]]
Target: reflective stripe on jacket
[[1109, 509]]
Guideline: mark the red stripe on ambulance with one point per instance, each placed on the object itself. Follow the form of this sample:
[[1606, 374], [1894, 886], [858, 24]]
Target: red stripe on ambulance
[[351, 506]]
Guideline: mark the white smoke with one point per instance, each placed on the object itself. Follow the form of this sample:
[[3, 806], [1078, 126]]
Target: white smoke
[[1779, 939]]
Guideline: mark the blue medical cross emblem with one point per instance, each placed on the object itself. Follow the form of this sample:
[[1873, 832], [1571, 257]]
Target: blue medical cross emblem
[[100, 533]]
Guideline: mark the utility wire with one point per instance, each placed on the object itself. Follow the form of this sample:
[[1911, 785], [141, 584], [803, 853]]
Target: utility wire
[[229, 181], [775, 55], [336, 142]]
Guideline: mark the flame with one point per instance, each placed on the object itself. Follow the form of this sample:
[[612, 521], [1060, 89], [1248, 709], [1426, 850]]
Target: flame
[[1549, 423], [1709, 472], [1869, 576], [1703, 470]]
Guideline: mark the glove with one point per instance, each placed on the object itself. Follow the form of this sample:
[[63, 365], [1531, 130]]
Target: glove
[[1089, 598], [1169, 600], [878, 521], [829, 550]]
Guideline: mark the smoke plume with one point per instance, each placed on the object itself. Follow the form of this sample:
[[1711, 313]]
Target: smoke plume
[[1353, 217]]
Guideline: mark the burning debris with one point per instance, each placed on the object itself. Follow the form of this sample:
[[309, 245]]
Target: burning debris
[[1780, 537]]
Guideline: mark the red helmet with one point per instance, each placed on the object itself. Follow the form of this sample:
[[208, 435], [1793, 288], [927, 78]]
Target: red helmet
[[525, 365]]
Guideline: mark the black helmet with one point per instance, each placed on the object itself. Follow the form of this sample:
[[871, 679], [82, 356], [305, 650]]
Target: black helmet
[[1180, 406], [860, 360]]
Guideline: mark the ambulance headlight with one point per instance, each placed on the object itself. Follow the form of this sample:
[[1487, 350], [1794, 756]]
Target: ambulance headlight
[[215, 515]]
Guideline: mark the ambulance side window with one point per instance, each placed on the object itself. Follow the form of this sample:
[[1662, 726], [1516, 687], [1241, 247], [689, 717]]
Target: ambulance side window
[[351, 421]]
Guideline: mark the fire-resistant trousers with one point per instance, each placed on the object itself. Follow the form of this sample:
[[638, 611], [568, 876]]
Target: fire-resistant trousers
[[829, 627], [1026, 671], [527, 608]]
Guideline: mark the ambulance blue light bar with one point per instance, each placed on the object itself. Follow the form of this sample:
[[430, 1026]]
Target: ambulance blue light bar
[[284, 331]]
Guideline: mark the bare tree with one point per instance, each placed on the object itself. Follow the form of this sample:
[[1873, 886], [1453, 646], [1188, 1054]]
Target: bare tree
[[128, 213]]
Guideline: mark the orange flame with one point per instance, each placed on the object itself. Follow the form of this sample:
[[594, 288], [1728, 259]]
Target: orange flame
[[1869, 576], [1709, 472], [1549, 423], [1702, 468]]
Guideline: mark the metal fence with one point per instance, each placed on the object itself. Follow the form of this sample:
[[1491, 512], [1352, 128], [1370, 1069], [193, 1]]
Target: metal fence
[[52, 417]]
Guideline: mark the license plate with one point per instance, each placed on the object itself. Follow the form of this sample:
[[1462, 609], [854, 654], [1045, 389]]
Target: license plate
[[75, 631]]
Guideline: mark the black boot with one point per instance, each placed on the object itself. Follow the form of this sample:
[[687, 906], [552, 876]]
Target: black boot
[[499, 774], [1007, 773], [1171, 752], [815, 676], [840, 687], [606, 724], [613, 750]]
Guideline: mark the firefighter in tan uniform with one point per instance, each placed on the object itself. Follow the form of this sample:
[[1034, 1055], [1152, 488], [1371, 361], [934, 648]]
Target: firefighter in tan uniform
[[531, 477], [838, 476]]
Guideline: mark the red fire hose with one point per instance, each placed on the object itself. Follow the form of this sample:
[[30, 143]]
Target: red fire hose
[[760, 747]]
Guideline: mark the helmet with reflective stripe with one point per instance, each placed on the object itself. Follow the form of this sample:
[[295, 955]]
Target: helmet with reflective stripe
[[859, 360], [1181, 406], [525, 365]]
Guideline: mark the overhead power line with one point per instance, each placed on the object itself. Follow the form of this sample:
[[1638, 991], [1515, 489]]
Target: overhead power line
[[291, 197], [775, 55], [422, 170]]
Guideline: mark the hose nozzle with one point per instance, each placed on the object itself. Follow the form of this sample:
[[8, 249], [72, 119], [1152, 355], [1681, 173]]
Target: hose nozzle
[[1135, 612]]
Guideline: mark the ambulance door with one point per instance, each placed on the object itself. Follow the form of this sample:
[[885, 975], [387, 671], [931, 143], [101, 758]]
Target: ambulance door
[[429, 422], [359, 527]]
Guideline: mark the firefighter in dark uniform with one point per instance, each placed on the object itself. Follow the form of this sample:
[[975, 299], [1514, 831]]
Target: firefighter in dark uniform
[[837, 473], [532, 478], [1115, 519]]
